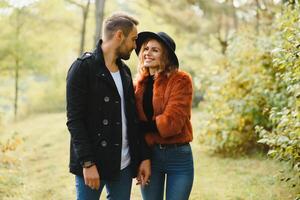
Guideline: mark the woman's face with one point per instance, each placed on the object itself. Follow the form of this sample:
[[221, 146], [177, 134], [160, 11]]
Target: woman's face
[[152, 54]]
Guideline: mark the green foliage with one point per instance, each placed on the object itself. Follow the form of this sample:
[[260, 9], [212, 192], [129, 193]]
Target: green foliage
[[283, 137], [235, 99], [47, 96], [254, 98], [44, 47]]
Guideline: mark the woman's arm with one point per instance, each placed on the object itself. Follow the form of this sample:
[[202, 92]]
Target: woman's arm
[[178, 108]]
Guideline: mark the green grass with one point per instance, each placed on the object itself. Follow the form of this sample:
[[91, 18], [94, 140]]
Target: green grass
[[38, 168]]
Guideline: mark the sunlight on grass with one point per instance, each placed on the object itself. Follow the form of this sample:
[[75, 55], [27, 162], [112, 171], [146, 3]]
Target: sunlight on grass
[[42, 169]]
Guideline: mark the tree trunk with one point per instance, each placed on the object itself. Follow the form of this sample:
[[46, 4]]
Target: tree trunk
[[257, 17], [85, 12], [17, 62], [99, 14], [223, 30], [234, 16], [17, 67]]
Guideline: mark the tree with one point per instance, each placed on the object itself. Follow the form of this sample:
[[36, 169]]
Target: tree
[[15, 48], [99, 14], [28, 58], [85, 11]]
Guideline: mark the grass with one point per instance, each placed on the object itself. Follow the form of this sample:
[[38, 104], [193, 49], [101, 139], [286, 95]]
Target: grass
[[38, 168]]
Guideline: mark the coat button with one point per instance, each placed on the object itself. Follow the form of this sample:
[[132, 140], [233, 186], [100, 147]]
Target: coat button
[[103, 143], [103, 75], [118, 123], [117, 101], [99, 134], [106, 99], [105, 122]]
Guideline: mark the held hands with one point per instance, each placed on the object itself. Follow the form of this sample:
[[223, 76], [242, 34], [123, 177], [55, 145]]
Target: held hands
[[91, 177], [144, 173]]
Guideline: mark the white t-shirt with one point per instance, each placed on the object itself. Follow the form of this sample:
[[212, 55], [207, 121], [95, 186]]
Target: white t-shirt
[[125, 156]]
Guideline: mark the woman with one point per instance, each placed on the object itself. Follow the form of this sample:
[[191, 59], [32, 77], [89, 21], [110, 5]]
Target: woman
[[164, 100]]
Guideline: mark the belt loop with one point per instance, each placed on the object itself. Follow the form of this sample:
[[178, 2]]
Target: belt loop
[[161, 146]]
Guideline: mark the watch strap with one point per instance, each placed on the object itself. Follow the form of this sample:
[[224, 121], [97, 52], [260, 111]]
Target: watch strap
[[88, 164]]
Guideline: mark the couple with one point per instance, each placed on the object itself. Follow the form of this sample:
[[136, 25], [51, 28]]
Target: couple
[[120, 131]]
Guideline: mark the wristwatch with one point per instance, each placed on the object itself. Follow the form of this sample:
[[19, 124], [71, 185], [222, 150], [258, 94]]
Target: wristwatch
[[88, 164]]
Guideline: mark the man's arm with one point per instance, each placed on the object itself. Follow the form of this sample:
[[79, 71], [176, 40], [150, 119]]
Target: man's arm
[[77, 86]]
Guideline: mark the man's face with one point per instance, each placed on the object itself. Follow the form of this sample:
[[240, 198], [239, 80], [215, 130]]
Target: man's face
[[128, 44]]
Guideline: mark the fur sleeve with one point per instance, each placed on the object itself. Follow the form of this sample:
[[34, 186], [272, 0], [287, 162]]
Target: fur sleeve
[[178, 107]]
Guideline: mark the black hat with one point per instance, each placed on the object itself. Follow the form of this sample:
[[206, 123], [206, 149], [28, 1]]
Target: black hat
[[162, 37]]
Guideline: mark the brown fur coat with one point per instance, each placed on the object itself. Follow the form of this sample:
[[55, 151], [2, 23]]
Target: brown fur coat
[[172, 104]]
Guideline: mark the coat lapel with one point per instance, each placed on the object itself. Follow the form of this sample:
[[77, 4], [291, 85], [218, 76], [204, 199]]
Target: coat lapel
[[102, 72], [104, 75]]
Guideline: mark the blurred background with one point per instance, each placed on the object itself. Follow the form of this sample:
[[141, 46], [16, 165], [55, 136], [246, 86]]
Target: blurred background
[[243, 56]]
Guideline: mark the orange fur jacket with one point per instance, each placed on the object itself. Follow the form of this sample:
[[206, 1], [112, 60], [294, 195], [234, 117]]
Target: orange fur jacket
[[172, 104]]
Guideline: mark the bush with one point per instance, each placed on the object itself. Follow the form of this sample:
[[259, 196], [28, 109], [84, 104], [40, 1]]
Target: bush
[[283, 137], [256, 93], [236, 98]]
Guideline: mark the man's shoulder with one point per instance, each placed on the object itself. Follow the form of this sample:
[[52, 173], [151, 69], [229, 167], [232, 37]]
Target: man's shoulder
[[86, 56], [81, 63], [83, 60]]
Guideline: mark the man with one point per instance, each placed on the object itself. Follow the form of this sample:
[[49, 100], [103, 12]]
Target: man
[[105, 149]]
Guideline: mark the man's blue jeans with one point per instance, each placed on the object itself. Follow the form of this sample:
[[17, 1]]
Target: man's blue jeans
[[175, 165], [116, 190]]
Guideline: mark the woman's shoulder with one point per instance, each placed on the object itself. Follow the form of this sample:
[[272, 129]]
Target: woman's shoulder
[[181, 75]]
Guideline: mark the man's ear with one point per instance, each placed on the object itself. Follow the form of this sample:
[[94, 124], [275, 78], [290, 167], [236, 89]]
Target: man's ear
[[119, 35]]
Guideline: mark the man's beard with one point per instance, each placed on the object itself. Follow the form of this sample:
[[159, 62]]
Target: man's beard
[[123, 55]]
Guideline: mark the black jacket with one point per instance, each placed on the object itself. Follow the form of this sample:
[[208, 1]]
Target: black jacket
[[94, 116]]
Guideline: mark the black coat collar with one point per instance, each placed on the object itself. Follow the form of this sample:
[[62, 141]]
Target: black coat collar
[[104, 73]]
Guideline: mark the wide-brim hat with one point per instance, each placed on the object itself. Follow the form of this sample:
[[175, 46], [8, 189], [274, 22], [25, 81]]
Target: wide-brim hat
[[163, 38]]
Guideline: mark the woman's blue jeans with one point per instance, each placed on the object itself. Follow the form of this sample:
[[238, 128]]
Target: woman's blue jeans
[[116, 190], [173, 165]]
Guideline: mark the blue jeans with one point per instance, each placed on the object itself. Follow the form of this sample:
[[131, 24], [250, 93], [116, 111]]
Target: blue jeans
[[175, 165], [116, 190]]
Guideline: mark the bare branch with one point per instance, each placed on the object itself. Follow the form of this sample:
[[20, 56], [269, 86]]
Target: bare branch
[[75, 3]]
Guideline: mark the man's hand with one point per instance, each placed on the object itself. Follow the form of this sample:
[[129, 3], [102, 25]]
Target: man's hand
[[144, 173], [91, 177]]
